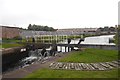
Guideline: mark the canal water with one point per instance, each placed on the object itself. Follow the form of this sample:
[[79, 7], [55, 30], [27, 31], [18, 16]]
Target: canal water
[[35, 56]]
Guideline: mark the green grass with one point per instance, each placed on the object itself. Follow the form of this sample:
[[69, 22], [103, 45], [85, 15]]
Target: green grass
[[0, 46], [10, 40], [91, 55], [9, 45], [48, 73]]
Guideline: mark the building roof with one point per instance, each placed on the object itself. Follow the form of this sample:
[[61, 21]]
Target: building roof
[[10, 27]]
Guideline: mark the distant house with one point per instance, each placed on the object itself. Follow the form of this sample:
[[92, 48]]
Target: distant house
[[107, 30], [9, 32], [70, 31]]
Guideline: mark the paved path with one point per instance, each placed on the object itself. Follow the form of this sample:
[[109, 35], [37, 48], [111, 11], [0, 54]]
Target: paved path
[[101, 66]]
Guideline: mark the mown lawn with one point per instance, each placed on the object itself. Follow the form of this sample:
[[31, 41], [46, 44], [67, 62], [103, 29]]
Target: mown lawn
[[9, 45], [91, 55], [48, 73]]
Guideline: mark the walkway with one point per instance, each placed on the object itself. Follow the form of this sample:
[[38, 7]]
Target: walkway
[[101, 66]]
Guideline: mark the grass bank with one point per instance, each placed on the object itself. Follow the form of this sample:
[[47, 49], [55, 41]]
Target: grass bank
[[47, 73], [91, 55], [10, 45], [87, 56]]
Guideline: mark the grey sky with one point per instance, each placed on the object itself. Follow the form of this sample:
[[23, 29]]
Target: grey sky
[[59, 13]]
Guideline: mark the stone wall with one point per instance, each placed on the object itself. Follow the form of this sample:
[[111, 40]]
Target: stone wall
[[106, 47], [9, 32]]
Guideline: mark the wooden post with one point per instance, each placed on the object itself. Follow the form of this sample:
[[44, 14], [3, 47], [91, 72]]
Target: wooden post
[[65, 49], [49, 38], [56, 38], [61, 48], [43, 38], [68, 48]]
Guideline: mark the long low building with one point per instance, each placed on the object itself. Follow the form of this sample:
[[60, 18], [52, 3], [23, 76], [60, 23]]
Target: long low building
[[60, 32], [79, 30], [9, 32]]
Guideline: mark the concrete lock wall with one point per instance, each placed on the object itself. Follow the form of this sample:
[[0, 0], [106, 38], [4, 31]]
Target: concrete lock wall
[[107, 47], [13, 54]]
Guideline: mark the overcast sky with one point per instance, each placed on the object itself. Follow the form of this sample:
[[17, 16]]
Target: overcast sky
[[59, 13]]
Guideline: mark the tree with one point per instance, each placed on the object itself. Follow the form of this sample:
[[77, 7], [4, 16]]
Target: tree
[[40, 28], [112, 29], [30, 26], [117, 36], [106, 28]]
